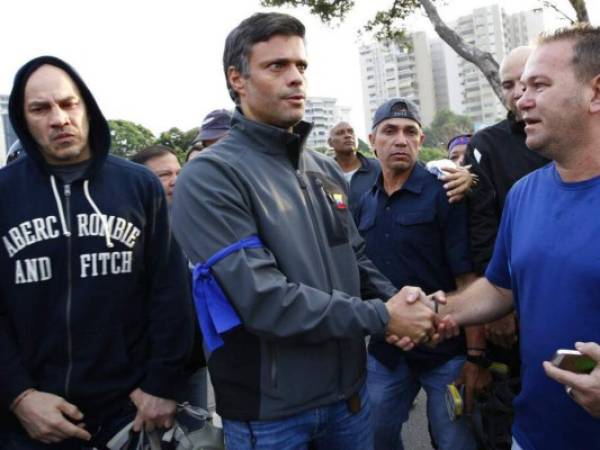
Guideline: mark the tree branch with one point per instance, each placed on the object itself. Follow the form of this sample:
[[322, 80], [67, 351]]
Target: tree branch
[[483, 60], [549, 4], [581, 10]]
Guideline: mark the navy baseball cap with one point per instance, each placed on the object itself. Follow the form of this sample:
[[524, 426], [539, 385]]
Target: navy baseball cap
[[402, 108], [214, 126]]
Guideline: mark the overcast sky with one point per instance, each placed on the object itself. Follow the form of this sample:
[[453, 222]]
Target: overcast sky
[[158, 63]]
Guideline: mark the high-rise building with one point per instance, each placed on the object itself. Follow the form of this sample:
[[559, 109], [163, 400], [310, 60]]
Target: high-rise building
[[435, 77], [447, 87], [324, 113], [389, 70], [523, 27], [483, 28], [491, 29]]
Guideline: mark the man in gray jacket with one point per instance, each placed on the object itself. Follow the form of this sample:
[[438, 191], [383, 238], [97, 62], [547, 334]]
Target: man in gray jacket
[[269, 221]]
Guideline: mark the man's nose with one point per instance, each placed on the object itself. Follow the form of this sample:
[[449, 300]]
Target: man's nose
[[524, 102], [295, 76], [519, 90], [58, 117]]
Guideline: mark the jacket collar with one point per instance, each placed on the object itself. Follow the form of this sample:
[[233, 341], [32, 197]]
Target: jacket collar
[[269, 139]]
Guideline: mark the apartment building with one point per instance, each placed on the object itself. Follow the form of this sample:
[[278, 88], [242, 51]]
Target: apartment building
[[324, 113]]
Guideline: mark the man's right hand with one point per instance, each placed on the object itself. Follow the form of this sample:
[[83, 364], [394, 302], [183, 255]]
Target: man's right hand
[[408, 317], [503, 332], [49, 418]]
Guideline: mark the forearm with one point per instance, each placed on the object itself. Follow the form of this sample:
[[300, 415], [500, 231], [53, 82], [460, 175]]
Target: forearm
[[272, 306], [475, 334], [480, 303]]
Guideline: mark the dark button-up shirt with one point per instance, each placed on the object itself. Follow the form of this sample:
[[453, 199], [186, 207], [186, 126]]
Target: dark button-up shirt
[[415, 237]]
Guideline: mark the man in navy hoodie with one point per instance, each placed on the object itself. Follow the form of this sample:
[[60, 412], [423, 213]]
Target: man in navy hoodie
[[95, 325]]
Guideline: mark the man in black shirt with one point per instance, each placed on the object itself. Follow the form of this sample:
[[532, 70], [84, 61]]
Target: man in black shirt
[[499, 157]]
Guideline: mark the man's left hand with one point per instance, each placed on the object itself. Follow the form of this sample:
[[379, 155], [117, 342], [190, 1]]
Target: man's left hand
[[457, 182], [152, 412], [583, 388]]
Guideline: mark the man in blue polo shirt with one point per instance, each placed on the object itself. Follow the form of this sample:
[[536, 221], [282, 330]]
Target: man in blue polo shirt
[[415, 237], [546, 260]]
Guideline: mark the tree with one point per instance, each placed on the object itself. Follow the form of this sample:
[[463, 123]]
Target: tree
[[178, 140], [385, 26], [445, 126], [128, 137], [431, 154], [364, 148]]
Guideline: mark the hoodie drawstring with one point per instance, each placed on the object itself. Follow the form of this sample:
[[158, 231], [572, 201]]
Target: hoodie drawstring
[[86, 191], [61, 214], [88, 197]]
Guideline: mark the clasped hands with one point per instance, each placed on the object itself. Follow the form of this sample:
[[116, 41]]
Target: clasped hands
[[413, 320]]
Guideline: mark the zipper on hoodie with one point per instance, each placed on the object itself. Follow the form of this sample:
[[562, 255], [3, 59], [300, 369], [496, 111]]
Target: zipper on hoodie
[[304, 188], [67, 192]]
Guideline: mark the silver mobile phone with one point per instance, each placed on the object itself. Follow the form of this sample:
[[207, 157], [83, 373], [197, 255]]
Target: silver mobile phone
[[573, 361]]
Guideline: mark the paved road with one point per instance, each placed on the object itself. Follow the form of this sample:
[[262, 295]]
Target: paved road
[[414, 433]]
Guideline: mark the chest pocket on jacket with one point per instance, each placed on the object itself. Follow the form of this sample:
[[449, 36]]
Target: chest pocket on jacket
[[333, 206], [417, 225]]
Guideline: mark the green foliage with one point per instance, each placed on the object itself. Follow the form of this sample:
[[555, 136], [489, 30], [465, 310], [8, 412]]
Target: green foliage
[[178, 140], [327, 10], [445, 126], [431, 154], [364, 148], [128, 137], [383, 25]]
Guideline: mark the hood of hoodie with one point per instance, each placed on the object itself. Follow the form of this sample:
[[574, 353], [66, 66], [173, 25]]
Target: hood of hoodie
[[99, 134]]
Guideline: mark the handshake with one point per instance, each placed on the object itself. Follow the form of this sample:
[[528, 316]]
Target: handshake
[[414, 319]]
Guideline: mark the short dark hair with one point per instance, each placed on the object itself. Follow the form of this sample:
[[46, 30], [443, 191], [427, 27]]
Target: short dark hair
[[154, 151], [259, 27], [586, 48]]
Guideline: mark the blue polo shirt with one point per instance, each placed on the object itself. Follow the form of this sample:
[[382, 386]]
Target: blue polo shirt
[[415, 237]]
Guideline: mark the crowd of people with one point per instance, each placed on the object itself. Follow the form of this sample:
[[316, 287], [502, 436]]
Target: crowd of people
[[322, 294]]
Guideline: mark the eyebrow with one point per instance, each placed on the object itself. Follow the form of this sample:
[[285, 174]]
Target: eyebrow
[[46, 102], [285, 61]]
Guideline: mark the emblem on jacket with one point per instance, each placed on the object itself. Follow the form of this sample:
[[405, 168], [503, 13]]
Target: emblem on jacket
[[338, 200]]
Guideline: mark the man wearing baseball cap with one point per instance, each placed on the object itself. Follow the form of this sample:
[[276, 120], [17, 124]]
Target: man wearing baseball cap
[[413, 236], [214, 126]]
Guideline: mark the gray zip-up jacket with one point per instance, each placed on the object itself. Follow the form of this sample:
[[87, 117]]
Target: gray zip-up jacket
[[299, 298]]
